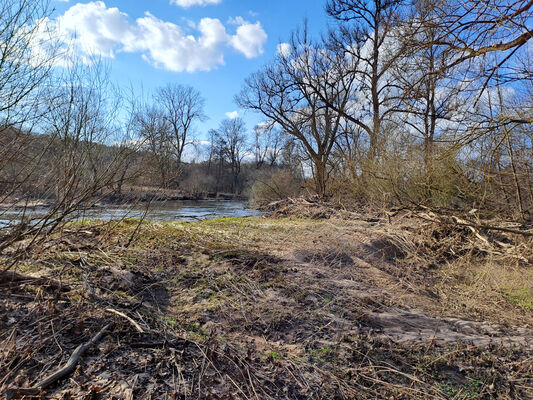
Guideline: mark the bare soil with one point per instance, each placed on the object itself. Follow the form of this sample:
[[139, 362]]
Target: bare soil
[[346, 307]]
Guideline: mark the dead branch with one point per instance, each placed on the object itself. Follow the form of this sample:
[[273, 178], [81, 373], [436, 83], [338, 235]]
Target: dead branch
[[528, 233], [176, 344], [130, 320], [435, 217], [12, 278], [14, 393]]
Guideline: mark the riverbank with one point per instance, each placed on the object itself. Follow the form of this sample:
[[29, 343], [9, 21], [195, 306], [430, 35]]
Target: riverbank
[[128, 196], [150, 194], [156, 211], [356, 306]]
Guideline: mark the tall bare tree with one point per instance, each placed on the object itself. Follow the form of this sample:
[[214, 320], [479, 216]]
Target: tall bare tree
[[304, 94], [153, 131], [367, 33], [430, 99], [230, 139], [181, 107]]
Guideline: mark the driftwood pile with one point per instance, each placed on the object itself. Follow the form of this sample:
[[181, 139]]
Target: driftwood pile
[[458, 232]]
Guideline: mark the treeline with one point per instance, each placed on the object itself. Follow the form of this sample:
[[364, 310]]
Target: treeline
[[230, 161], [410, 103], [417, 103], [71, 168], [230, 166]]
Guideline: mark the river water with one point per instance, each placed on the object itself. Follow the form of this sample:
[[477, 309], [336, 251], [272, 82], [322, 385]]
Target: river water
[[157, 211]]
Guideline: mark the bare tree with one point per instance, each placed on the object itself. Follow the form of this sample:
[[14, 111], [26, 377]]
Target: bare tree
[[367, 33], [23, 70], [230, 139], [23, 75], [153, 130], [284, 93], [81, 120], [489, 46], [83, 126], [475, 28], [268, 143], [431, 100], [181, 107]]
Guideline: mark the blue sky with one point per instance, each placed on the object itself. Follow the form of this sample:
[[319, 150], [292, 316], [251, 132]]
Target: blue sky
[[212, 47]]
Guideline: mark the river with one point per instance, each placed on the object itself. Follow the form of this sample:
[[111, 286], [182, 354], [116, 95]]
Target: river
[[157, 211]]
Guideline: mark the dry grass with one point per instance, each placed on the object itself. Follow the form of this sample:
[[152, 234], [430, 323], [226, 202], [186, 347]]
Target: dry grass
[[492, 289], [264, 308]]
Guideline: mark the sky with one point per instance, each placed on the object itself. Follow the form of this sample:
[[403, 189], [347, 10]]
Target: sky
[[212, 45]]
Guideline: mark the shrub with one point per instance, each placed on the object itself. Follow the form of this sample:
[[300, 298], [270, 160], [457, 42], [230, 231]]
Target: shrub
[[275, 186]]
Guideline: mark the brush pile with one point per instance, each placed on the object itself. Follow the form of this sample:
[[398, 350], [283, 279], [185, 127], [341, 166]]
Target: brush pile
[[437, 232], [311, 207]]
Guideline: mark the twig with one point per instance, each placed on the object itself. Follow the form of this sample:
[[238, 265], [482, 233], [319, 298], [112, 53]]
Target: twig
[[135, 324]]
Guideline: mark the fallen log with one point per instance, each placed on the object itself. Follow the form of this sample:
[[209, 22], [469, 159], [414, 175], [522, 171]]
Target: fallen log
[[68, 368], [13, 278]]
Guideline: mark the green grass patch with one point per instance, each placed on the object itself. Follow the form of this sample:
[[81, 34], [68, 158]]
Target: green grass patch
[[521, 296]]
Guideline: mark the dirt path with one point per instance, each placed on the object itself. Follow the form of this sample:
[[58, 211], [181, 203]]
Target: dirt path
[[352, 263]]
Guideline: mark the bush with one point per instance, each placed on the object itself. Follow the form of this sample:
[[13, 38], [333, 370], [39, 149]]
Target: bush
[[273, 187]]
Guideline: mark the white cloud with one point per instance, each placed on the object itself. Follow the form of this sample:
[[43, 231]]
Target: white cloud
[[165, 45], [232, 114], [284, 49], [190, 3], [92, 29], [249, 39]]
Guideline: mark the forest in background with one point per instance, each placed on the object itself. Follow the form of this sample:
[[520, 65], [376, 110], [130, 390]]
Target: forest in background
[[400, 104]]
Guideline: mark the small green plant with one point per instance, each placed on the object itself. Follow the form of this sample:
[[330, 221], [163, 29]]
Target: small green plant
[[467, 392], [321, 354], [171, 321], [274, 355], [521, 296]]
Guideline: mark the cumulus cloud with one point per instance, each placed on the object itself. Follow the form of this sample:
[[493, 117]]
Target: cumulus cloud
[[232, 114], [190, 3], [93, 29], [247, 37], [284, 49]]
